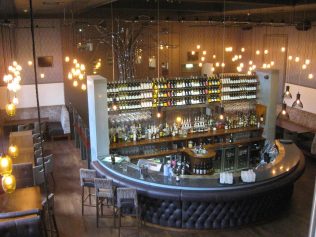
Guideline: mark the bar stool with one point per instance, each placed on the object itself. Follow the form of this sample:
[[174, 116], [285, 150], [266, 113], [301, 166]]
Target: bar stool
[[49, 214], [104, 191], [86, 180], [127, 204]]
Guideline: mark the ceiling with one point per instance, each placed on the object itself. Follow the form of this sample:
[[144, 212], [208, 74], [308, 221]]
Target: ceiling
[[188, 10]]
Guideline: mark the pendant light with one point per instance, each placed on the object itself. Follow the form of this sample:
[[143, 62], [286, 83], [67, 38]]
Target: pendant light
[[283, 113], [287, 94], [298, 103], [158, 114]]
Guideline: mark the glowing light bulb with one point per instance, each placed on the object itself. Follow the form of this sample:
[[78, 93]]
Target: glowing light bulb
[[30, 63], [70, 76], [264, 65], [19, 68], [198, 46], [229, 49], [268, 65], [250, 62], [75, 83], [204, 52], [217, 64], [304, 66], [193, 52], [223, 64], [297, 59], [75, 61], [310, 76], [15, 100], [239, 56], [13, 151], [307, 61], [214, 56], [213, 69], [5, 165], [8, 183], [200, 64], [272, 63], [42, 75], [83, 87], [14, 63], [258, 52], [254, 67], [80, 76], [242, 49], [161, 47], [178, 119], [241, 65], [283, 49], [266, 51], [67, 59], [10, 109], [239, 69], [249, 72], [82, 67], [202, 59], [290, 57]]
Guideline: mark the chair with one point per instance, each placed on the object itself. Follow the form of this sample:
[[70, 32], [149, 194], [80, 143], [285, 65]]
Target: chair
[[49, 165], [86, 180], [127, 204], [38, 153], [37, 128], [23, 174], [29, 224], [49, 215], [24, 127], [37, 146], [38, 175], [104, 191]]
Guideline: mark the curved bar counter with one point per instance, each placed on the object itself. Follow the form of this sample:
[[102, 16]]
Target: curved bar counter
[[198, 202]]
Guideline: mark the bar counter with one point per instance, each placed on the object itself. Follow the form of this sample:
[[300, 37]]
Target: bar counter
[[198, 202]]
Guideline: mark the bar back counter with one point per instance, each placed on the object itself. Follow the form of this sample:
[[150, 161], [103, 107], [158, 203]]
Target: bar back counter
[[204, 203]]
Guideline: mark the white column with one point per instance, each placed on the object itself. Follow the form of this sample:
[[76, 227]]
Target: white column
[[98, 116], [268, 96]]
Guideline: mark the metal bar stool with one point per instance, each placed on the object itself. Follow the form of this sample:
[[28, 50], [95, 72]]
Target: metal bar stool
[[86, 180], [104, 191], [127, 205], [52, 226]]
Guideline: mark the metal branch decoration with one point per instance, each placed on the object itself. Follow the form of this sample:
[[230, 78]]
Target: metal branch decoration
[[126, 41]]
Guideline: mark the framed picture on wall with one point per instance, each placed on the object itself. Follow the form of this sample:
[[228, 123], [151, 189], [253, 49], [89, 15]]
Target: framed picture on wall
[[45, 61], [192, 56]]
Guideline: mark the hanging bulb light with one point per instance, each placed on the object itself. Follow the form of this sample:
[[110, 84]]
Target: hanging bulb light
[[257, 52], [193, 52], [8, 183], [272, 63], [202, 59], [70, 76], [264, 65], [178, 119], [204, 52], [217, 64], [67, 59], [290, 57], [268, 65], [240, 56], [198, 46], [283, 113], [75, 61], [250, 62], [214, 56], [304, 66], [307, 61], [254, 67], [15, 100], [83, 87], [30, 63], [158, 114], [13, 151], [287, 94], [200, 64], [75, 83], [297, 103], [42, 75], [297, 59], [239, 69], [242, 49], [241, 65], [5, 165], [310, 76], [223, 64], [229, 49], [283, 49], [266, 51], [10, 109]]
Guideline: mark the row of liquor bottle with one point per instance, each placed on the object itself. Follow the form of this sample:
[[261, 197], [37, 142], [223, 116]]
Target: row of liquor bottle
[[138, 131], [192, 100], [187, 93], [249, 95], [130, 105], [238, 79], [128, 86], [202, 168], [190, 82], [130, 96], [239, 88]]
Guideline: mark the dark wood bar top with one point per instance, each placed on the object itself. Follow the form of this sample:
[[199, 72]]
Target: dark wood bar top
[[179, 138]]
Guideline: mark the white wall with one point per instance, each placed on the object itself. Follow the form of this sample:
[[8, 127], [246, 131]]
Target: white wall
[[308, 97], [49, 94]]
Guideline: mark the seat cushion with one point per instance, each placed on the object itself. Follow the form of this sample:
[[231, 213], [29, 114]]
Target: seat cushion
[[55, 129]]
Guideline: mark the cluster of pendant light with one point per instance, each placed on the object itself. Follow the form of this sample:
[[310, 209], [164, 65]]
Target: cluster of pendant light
[[97, 66], [13, 79], [77, 73], [8, 180]]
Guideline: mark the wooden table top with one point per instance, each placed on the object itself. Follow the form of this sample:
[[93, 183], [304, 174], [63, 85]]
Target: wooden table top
[[21, 200], [24, 141], [292, 127]]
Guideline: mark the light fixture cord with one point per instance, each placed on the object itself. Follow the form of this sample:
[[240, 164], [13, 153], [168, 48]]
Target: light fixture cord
[[38, 108], [158, 40], [112, 44]]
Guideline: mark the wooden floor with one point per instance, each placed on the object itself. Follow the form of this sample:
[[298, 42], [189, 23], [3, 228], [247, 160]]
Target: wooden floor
[[71, 224]]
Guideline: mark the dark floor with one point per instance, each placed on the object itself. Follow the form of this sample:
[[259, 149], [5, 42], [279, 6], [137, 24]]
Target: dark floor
[[71, 224]]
